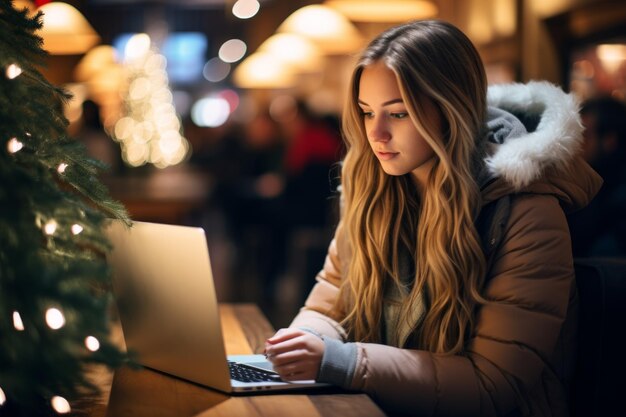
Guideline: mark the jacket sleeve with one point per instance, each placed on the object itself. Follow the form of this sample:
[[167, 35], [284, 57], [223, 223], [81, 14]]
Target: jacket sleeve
[[318, 313], [515, 335]]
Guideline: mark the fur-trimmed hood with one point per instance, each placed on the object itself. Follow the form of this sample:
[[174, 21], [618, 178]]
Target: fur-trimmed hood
[[534, 135]]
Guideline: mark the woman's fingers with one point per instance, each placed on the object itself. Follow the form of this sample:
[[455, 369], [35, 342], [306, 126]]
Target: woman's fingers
[[289, 356], [300, 370], [296, 343], [295, 354], [283, 335]]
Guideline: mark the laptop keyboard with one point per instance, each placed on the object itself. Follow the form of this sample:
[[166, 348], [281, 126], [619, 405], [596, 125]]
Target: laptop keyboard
[[243, 373]]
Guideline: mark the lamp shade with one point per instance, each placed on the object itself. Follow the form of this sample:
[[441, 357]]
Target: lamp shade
[[295, 50], [263, 70], [65, 30], [96, 60], [384, 10], [331, 31]]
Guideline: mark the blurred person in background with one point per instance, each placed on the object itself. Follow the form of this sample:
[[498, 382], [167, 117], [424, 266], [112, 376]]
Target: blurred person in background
[[417, 304], [313, 147], [245, 165], [252, 202], [600, 229]]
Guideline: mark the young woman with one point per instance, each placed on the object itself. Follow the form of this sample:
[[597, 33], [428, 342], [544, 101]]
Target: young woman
[[414, 306]]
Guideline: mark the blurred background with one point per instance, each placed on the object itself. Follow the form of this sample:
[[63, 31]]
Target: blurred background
[[225, 114]]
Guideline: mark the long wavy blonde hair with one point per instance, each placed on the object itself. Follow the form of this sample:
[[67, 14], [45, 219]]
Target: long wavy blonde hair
[[433, 61]]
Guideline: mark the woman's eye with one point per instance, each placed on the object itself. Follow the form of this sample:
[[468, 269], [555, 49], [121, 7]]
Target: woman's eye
[[399, 115], [367, 114]]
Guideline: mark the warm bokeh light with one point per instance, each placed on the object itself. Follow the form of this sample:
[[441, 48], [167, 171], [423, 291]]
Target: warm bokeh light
[[105, 88], [61, 168], [139, 88], [149, 131], [135, 154], [245, 9], [3, 397], [210, 112], [479, 28], [295, 50], [232, 50], [60, 405], [65, 30], [14, 145], [50, 227], [548, 8], [505, 17], [111, 79], [77, 229], [328, 28], [55, 318], [17, 321], [216, 70], [13, 71], [611, 56], [263, 70], [384, 10], [94, 61], [137, 47], [92, 344]]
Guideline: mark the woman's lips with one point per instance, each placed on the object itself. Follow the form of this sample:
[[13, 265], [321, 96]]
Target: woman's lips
[[385, 156]]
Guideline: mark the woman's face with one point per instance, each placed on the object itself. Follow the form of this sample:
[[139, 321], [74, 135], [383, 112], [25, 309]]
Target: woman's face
[[391, 133]]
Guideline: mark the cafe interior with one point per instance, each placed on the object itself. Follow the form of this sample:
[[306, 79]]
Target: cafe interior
[[194, 105]]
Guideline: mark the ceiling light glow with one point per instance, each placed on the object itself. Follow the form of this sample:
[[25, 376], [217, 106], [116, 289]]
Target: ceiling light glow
[[216, 70], [210, 112], [245, 9], [232, 50]]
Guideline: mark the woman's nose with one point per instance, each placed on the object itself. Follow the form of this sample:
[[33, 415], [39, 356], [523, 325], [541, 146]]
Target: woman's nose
[[378, 131]]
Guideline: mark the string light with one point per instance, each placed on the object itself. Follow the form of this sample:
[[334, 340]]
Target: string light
[[76, 229], [3, 397], [55, 318], [14, 145], [61, 168], [13, 71], [92, 343], [60, 405], [50, 227], [17, 321]]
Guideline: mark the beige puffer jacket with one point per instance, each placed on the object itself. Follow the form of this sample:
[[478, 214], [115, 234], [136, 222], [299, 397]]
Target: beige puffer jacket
[[524, 345]]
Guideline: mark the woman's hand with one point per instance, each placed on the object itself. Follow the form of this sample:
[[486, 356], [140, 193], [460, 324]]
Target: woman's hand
[[295, 354]]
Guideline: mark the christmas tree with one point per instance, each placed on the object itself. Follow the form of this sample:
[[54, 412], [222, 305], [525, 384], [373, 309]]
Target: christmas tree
[[149, 109], [54, 298]]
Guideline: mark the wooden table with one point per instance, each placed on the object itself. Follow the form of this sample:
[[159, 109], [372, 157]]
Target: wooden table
[[137, 393]]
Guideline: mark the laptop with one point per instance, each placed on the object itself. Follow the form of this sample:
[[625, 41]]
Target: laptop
[[168, 309]]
